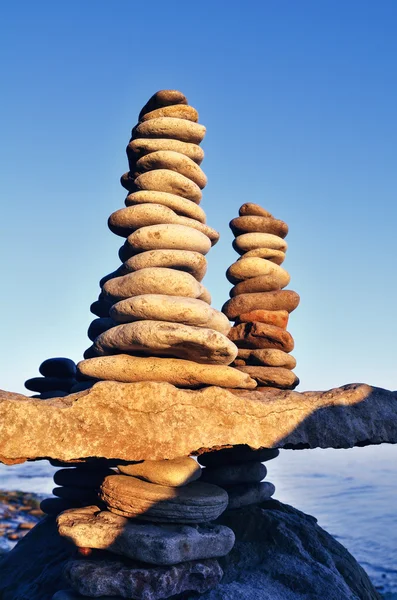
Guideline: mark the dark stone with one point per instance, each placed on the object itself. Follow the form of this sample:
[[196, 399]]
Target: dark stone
[[48, 384], [249, 493], [83, 478], [98, 326], [58, 367], [237, 454], [54, 506], [85, 497], [53, 394], [248, 472], [83, 385], [100, 308]]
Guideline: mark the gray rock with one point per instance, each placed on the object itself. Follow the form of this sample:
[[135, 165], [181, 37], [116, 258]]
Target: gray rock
[[155, 544], [247, 494], [58, 367], [140, 582], [280, 554], [249, 472], [195, 502]]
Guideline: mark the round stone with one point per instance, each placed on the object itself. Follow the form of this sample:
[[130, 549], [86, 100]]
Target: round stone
[[174, 473], [142, 146], [163, 98], [176, 309], [279, 318], [277, 300], [159, 544], [153, 280], [247, 494], [87, 478], [164, 180], [182, 260], [252, 267], [168, 339], [237, 454], [98, 326], [178, 372], [249, 472], [193, 503], [174, 161], [255, 224], [262, 283], [178, 111], [125, 221], [58, 367], [169, 237], [267, 357], [169, 127], [272, 377], [249, 208], [48, 384], [261, 335], [251, 241], [275, 256], [182, 207]]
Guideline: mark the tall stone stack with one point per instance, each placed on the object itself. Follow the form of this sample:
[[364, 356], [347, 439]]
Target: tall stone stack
[[58, 378], [155, 322], [259, 306]]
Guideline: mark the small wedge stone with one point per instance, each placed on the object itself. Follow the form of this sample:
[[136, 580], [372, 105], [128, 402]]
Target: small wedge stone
[[165, 180], [181, 206], [198, 344], [275, 256], [177, 371]]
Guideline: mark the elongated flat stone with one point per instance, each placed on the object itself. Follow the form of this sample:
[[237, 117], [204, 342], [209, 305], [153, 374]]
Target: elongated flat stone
[[165, 180], [90, 527], [239, 454], [87, 478], [251, 241], [267, 357], [272, 376], [180, 205], [258, 224], [142, 146], [169, 237], [179, 372], [167, 159], [179, 111], [193, 503], [181, 260], [277, 300], [168, 127], [47, 384], [279, 318], [247, 494], [139, 582]]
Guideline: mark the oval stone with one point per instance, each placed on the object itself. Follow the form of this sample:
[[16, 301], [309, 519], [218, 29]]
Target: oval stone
[[277, 300], [251, 241], [174, 473], [167, 159], [183, 207], [193, 503], [199, 344], [178, 111], [279, 318], [262, 283], [255, 224], [153, 281], [272, 376], [182, 260], [170, 127], [250, 208], [48, 384], [275, 256], [165, 180], [163, 98], [268, 357], [177, 309], [169, 237], [246, 268], [58, 367], [261, 335]]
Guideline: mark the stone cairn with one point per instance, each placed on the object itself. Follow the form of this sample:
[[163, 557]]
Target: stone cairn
[[259, 305], [146, 530], [58, 379]]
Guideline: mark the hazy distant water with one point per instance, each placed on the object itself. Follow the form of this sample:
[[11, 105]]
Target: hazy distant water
[[352, 493]]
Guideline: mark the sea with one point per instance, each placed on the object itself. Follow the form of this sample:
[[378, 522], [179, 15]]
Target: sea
[[352, 493]]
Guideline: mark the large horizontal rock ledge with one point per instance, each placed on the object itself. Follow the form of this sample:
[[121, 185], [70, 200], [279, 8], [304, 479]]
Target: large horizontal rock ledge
[[139, 421]]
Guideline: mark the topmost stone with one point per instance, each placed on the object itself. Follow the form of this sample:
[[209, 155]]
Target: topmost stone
[[163, 98], [58, 367]]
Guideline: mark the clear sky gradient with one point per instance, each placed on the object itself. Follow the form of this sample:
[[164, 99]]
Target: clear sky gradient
[[299, 100]]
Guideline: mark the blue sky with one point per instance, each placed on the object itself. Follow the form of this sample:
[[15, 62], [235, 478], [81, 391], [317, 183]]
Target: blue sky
[[299, 100]]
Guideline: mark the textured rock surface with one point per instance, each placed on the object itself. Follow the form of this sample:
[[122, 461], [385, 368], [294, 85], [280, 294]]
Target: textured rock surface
[[138, 421], [90, 527], [139, 582], [193, 503], [180, 205], [182, 260], [280, 554]]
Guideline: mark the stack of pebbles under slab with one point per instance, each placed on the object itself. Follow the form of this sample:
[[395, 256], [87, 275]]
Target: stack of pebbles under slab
[[58, 378], [239, 470], [259, 305], [154, 538], [156, 321]]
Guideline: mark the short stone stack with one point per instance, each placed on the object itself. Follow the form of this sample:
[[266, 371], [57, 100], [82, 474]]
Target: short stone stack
[[58, 378], [154, 535], [259, 305], [155, 322]]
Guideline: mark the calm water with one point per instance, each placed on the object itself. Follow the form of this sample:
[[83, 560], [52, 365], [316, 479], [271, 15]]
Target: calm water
[[353, 494]]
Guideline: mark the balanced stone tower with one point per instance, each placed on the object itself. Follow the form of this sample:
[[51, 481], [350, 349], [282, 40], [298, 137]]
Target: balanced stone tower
[[259, 305]]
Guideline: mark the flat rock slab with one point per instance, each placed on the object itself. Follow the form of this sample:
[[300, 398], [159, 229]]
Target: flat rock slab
[[140, 582], [90, 527], [143, 421]]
